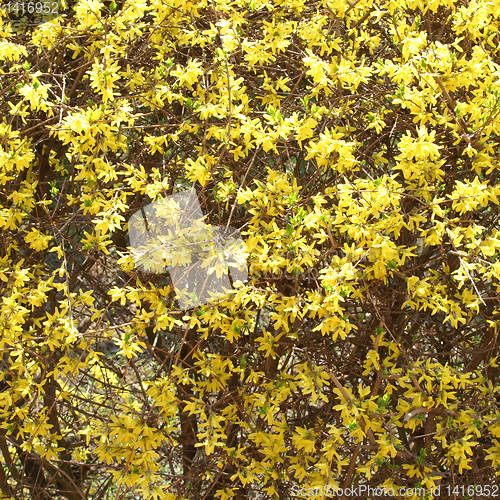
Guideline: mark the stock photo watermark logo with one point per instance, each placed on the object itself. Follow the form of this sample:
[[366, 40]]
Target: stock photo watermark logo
[[204, 262], [363, 491]]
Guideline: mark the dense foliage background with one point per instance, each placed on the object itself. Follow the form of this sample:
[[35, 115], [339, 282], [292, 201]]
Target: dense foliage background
[[355, 146]]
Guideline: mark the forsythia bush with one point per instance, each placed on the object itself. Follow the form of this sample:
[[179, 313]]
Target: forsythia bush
[[355, 145]]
